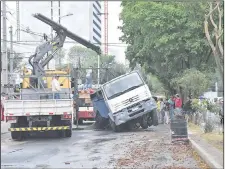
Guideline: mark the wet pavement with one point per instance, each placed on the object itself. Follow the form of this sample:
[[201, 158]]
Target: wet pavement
[[98, 149]]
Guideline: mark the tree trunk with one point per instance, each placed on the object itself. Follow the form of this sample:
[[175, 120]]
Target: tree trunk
[[216, 47]]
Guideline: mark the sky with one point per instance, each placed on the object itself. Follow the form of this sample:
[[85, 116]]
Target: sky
[[74, 23]]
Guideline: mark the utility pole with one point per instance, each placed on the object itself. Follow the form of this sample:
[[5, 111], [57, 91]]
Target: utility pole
[[18, 19], [98, 70], [4, 58], [11, 49], [59, 58]]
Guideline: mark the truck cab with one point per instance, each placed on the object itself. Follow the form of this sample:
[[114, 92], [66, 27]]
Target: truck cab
[[128, 101]]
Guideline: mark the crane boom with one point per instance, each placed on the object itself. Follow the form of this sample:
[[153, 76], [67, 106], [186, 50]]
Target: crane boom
[[38, 63], [68, 33]]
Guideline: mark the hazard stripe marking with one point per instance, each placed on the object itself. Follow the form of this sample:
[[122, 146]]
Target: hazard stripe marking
[[40, 128]]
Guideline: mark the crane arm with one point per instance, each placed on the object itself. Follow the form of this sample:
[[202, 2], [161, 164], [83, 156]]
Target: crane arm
[[68, 33], [38, 63], [54, 45]]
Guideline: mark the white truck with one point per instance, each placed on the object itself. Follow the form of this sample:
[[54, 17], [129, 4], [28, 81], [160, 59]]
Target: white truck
[[27, 116], [124, 102]]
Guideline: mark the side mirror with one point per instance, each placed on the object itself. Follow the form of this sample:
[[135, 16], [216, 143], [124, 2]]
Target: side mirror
[[61, 84]]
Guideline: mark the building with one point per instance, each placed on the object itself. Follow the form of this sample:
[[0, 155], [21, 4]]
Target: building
[[96, 22]]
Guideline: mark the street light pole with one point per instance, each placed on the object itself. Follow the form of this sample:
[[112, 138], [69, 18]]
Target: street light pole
[[11, 49]]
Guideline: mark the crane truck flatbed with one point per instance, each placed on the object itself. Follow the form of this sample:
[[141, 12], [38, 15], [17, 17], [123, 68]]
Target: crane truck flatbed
[[43, 113]]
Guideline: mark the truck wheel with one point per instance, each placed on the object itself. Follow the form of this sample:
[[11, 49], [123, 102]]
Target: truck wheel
[[100, 122], [68, 133], [16, 135], [144, 121], [75, 121], [80, 121], [114, 127], [154, 117]]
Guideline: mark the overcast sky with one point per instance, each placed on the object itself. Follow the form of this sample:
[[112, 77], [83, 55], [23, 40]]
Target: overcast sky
[[75, 23]]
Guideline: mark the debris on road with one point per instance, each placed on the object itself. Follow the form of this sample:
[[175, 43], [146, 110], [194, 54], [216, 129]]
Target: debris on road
[[159, 153]]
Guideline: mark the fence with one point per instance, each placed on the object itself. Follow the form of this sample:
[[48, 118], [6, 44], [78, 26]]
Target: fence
[[209, 121]]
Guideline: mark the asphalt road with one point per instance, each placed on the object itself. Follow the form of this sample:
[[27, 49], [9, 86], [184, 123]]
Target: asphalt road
[[98, 149]]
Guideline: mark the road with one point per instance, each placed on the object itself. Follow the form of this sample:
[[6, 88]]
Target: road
[[98, 149]]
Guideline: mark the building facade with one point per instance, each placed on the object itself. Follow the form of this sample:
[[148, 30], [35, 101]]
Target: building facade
[[96, 22]]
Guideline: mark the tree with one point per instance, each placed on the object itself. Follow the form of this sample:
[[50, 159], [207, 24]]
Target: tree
[[193, 81], [86, 57], [214, 35], [166, 38], [60, 56]]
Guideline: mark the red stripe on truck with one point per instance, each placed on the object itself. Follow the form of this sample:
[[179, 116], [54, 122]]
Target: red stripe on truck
[[86, 114]]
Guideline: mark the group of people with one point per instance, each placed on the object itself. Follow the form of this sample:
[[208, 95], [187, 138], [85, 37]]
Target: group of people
[[167, 108]]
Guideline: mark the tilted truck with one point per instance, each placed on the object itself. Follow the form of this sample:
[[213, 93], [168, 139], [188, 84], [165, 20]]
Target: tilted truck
[[124, 103], [36, 109]]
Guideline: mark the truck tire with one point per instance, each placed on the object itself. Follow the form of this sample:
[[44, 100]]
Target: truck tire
[[74, 121], [114, 127], [144, 121], [16, 135], [100, 122], [80, 121], [68, 133], [154, 117]]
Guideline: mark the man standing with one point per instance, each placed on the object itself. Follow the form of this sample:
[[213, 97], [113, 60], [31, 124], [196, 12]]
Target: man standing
[[178, 104], [88, 83], [56, 87], [162, 112], [171, 107]]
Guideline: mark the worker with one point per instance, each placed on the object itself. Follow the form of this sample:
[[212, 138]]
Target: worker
[[88, 82], [158, 109], [56, 87]]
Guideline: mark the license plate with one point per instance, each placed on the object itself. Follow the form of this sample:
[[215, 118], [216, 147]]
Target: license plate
[[135, 108]]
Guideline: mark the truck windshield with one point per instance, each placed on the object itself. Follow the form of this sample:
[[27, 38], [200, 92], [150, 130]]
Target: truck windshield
[[123, 85]]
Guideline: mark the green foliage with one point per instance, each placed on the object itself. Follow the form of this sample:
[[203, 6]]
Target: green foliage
[[60, 54], [165, 38], [196, 106], [87, 57], [214, 108], [192, 80]]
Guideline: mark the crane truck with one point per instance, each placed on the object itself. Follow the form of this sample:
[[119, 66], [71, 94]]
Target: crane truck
[[36, 110]]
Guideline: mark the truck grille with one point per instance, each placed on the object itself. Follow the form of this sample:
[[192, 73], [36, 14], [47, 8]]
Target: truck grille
[[130, 102]]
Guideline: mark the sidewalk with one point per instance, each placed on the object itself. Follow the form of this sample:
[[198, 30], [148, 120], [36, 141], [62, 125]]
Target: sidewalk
[[211, 155], [4, 127]]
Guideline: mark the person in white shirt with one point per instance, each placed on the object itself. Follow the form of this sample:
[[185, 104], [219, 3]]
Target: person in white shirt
[[88, 83], [56, 87]]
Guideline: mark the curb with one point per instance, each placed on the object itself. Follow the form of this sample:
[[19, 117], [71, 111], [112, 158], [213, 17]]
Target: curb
[[204, 155]]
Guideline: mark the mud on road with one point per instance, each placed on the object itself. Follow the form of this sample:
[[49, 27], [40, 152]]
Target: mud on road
[[99, 149]]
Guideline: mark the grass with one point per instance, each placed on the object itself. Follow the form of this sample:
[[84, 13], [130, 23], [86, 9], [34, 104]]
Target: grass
[[215, 139]]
